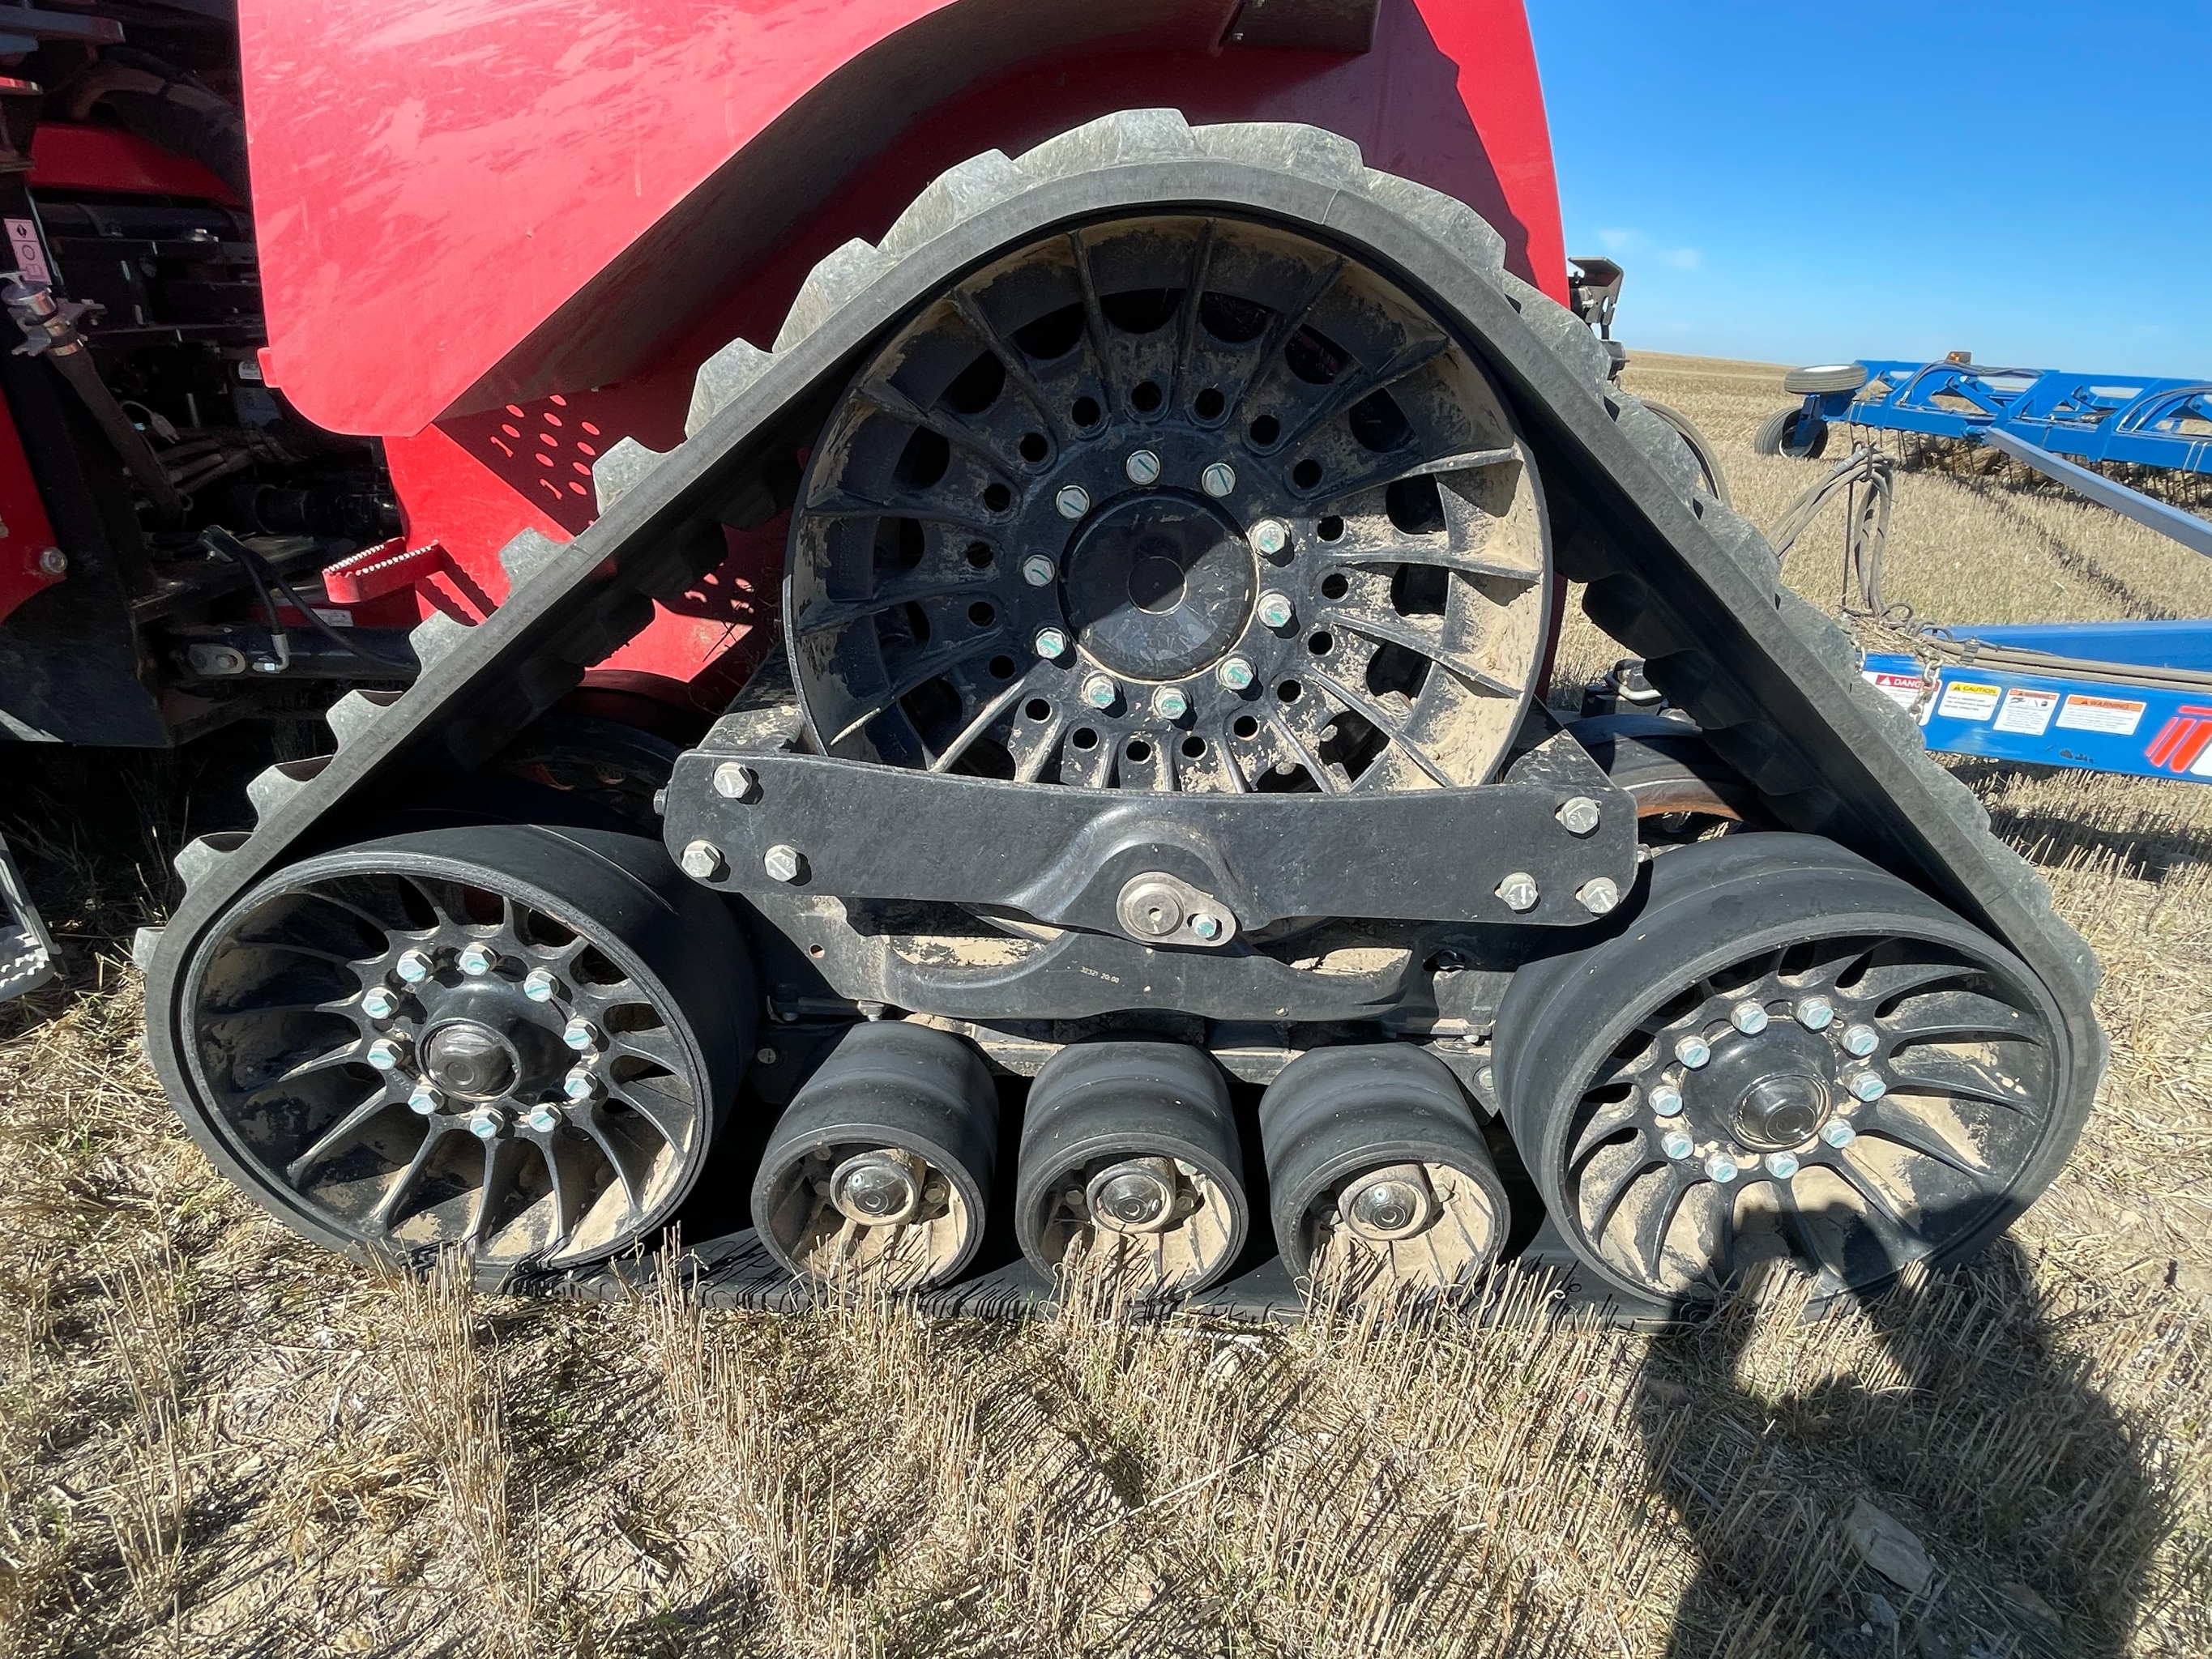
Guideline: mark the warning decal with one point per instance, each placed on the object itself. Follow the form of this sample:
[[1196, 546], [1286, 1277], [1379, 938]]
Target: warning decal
[[1903, 689], [30, 254], [2117, 715], [2027, 711], [1964, 700]]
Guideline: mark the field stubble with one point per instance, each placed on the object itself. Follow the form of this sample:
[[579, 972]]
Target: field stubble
[[215, 1439]]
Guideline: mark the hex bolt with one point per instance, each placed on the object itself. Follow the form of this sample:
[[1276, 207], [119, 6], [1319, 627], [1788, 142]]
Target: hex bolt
[[784, 862], [413, 967], [1207, 928], [1748, 1018], [1600, 895], [1677, 1144], [582, 1085], [764, 1057], [1815, 1013], [1782, 1165], [1518, 889], [544, 1117], [1721, 1167], [486, 1121], [52, 562], [1578, 815], [476, 960], [1217, 479], [1038, 571], [426, 1100], [1693, 1051], [582, 1036], [701, 860], [1234, 672], [1170, 703], [1073, 500], [1270, 537], [1275, 609], [1839, 1134], [1051, 642], [1100, 691], [735, 782], [379, 1002], [1143, 467], [1868, 1087], [1666, 1100], [540, 985], [1487, 1078], [388, 1053], [1861, 1040]]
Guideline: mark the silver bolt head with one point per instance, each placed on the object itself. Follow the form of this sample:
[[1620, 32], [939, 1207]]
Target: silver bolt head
[[1275, 609], [385, 1053], [1600, 895], [581, 1085], [1038, 571], [784, 862], [476, 960], [1722, 1168], [425, 1099], [486, 1121], [1578, 815], [541, 985], [1693, 1051], [1234, 672], [582, 1036], [1269, 538], [1677, 1144], [379, 1002], [1861, 1040], [1218, 479], [1839, 1134], [1051, 642], [1100, 691], [735, 782], [52, 562], [1666, 1100], [544, 1117], [1815, 1013], [1207, 928], [1782, 1165], [1866, 1086], [1143, 467], [1519, 892], [764, 1057], [1073, 500], [701, 860], [1487, 1077], [1748, 1018], [413, 967], [1171, 703]]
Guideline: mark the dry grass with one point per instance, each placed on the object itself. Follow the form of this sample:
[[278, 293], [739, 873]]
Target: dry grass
[[215, 1440]]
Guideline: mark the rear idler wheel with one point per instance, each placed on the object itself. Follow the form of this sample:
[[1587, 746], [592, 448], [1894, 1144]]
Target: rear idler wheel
[[1379, 1181], [512, 1039], [878, 1174], [1790, 1054], [1131, 1170]]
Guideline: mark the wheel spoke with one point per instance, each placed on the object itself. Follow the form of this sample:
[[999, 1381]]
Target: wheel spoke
[[1650, 1238], [389, 1209], [1397, 633], [668, 1115], [1410, 358], [1385, 471], [820, 615], [986, 718], [1373, 714], [1957, 1015], [1608, 1121], [1891, 1122], [502, 1162], [1285, 324], [1094, 319], [892, 402], [1010, 356], [1885, 980], [565, 1175], [919, 672], [1935, 1072], [348, 1053], [1631, 1169], [338, 1137], [851, 504], [1194, 291], [1315, 769]]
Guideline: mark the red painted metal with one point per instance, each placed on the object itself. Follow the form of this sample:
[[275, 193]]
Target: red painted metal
[[25, 531], [65, 156]]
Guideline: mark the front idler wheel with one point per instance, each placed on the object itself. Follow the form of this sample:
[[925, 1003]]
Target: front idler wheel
[[516, 1039], [1131, 1168], [878, 1174]]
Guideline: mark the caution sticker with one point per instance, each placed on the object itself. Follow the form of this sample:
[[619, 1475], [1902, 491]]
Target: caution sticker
[[1964, 700], [2028, 711], [2117, 715]]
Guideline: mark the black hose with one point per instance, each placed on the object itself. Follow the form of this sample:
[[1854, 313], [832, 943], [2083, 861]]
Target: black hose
[[264, 576]]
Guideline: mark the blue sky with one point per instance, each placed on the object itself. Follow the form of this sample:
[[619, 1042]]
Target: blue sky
[[2031, 181]]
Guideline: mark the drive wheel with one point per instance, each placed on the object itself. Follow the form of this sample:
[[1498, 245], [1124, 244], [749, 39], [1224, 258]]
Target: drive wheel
[[509, 1038], [1792, 1053]]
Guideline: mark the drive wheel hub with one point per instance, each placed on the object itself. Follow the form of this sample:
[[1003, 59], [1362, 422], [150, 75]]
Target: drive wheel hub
[[1159, 585], [469, 1058]]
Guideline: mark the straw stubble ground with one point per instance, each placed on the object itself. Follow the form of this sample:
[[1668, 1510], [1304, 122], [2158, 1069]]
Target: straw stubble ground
[[215, 1439]]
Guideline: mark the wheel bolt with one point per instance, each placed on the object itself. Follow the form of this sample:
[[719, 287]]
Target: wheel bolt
[[1170, 703], [701, 860], [1677, 1144], [735, 782], [1600, 896], [1518, 889], [1748, 1018], [1051, 642], [1143, 467], [476, 960], [387, 1054], [425, 1099], [1038, 570], [486, 1121], [1073, 500], [1100, 691], [1861, 1040], [1693, 1051], [1269, 538], [540, 985], [582, 1086], [582, 1036], [1578, 815], [1868, 1087], [1218, 479], [784, 863], [1666, 1100], [1839, 1134], [1722, 1168], [1815, 1013], [1207, 928], [413, 967], [544, 1117], [765, 1056], [1234, 672], [379, 1002], [1275, 609], [1782, 1165]]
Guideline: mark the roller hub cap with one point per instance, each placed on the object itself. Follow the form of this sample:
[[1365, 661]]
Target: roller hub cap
[[1135, 1197], [1389, 1206], [468, 1057], [875, 1189], [1159, 585]]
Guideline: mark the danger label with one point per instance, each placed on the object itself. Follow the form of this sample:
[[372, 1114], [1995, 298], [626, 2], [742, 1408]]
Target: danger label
[[1903, 689], [29, 254], [1964, 699], [2116, 715], [2028, 711]]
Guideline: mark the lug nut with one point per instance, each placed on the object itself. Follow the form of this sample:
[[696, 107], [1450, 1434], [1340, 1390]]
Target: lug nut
[[1518, 891], [1038, 570], [413, 967], [1666, 1100], [1051, 642], [539, 984], [765, 1056], [1677, 1144], [426, 1100], [582, 1086], [1748, 1018], [1578, 815], [544, 1117], [1275, 609], [1073, 500], [1143, 467], [1100, 691], [486, 1121], [1234, 672], [1269, 538], [1693, 1051], [1861, 1040], [1600, 896], [735, 782], [1839, 1134], [1207, 928], [379, 1002], [1815, 1013], [388, 1053], [1722, 1168], [784, 863], [582, 1036], [52, 562], [1170, 703], [1217, 479], [1782, 1165], [1867, 1087], [702, 860], [476, 960]]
